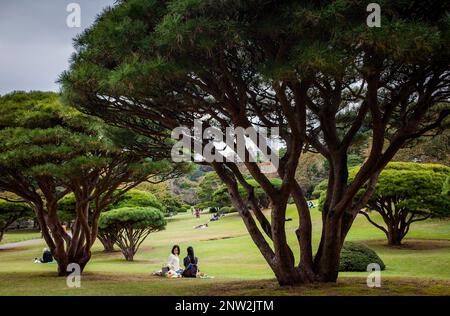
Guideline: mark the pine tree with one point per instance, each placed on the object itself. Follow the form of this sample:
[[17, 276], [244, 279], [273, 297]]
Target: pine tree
[[314, 69]]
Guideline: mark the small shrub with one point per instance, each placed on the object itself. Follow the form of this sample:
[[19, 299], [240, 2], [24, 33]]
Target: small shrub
[[319, 189], [136, 198], [203, 205], [11, 212], [129, 226], [227, 210], [186, 207], [356, 257], [170, 214]]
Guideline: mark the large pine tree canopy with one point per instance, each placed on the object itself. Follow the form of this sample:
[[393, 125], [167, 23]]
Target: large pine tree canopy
[[315, 69]]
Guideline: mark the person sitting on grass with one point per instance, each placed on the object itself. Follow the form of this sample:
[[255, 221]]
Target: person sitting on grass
[[174, 261], [201, 226], [216, 217], [191, 264], [46, 257]]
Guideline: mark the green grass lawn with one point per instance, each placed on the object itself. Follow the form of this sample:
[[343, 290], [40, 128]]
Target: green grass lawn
[[20, 235], [225, 251]]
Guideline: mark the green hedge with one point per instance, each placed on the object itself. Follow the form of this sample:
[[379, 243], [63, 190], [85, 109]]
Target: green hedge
[[356, 257], [132, 198], [227, 210], [137, 198], [133, 217], [184, 208], [421, 186]]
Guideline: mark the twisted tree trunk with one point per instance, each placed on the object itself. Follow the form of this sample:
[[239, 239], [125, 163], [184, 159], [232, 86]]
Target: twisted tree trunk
[[394, 237], [65, 249], [107, 242]]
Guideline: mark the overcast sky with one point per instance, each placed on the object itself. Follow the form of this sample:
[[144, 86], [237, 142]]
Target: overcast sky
[[36, 43]]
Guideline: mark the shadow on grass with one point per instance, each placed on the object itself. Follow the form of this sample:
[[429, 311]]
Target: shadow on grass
[[97, 283], [411, 244]]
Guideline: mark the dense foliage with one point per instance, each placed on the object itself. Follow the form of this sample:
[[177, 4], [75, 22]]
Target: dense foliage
[[446, 188], [138, 198], [49, 150], [133, 198], [315, 69], [130, 226], [227, 210], [208, 184], [405, 193], [220, 197], [11, 212], [356, 257], [171, 203]]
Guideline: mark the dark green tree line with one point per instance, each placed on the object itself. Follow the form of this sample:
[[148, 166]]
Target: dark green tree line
[[12, 211]]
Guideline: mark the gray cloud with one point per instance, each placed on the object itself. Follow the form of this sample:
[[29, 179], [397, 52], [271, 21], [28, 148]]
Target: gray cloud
[[35, 42]]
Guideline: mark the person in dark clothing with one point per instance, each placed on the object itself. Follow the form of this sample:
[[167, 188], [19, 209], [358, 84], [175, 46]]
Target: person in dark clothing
[[46, 257], [216, 217], [191, 264]]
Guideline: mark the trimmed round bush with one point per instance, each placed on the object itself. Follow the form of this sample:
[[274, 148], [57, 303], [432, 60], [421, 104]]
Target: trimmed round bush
[[227, 210], [128, 227], [184, 208], [11, 212], [137, 198], [356, 257]]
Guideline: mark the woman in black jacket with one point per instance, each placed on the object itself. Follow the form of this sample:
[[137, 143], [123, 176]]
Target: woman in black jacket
[[190, 264]]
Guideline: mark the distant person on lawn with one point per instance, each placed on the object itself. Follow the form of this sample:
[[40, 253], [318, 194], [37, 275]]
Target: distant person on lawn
[[190, 264], [46, 257]]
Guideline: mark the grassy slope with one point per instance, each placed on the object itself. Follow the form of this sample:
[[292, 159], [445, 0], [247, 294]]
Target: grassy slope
[[20, 235], [226, 251]]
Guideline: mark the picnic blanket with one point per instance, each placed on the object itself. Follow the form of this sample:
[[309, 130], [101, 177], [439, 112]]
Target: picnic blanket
[[177, 276], [51, 262]]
